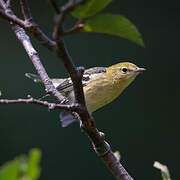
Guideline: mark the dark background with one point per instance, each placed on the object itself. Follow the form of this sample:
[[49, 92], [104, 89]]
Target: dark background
[[143, 123]]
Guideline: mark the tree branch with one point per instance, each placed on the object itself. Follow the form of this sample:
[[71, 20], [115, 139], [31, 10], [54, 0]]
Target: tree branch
[[74, 30], [62, 52], [8, 3], [12, 18], [26, 10], [101, 147], [3, 5], [55, 6], [33, 55], [29, 25], [33, 28], [60, 17], [50, 106]]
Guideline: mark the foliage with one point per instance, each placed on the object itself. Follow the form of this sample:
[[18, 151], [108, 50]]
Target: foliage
[[164, 170], [114, 24], [27, 168], [22, 167], [90, 8], [106, 23]]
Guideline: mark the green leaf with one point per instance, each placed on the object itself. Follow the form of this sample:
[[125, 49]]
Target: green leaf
[[33, 170], [90, 8], [10, 170], [22, 168], [0, 93], [115, 25], [164, 170]]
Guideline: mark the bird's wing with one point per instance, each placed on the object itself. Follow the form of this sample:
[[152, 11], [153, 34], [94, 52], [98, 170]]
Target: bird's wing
[[95, 70], [67, 85]]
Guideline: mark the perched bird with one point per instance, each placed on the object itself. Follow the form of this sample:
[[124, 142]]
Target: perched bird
[[101, 85]]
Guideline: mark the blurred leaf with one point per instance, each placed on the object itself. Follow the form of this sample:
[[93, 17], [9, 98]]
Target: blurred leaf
[[33, 170], [22, 168], [0, 93], [117, 155], [164, 170], [10, 170], [90, 8], [114, 24]]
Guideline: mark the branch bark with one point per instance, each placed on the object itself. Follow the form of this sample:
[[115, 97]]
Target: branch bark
[[33, 55], [20, 28], [50, 106]]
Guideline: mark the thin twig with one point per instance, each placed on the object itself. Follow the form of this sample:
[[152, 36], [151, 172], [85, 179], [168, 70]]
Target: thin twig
[[26, 10], [74, 30], [43, 38], [33, 28], [50, 106], [55, 6], [64, 10], [12, 18], [30, 27], [69, 6], [33, 55], [2, 4], [8, 3]]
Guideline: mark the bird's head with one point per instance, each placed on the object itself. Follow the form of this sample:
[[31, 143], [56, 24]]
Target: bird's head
[[124, 72]]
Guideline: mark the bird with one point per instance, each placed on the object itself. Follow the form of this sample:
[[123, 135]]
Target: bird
[[101, 85]]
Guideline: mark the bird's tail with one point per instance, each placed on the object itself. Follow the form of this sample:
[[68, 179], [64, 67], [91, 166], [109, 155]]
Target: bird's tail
[[34, 77], [67, 118]]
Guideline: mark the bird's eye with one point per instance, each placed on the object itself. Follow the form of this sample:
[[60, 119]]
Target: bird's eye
[[124, 69]]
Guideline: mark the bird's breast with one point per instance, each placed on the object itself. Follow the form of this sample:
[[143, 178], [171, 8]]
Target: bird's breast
[[101, 92]]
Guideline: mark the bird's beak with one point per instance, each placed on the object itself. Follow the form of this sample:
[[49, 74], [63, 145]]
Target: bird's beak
[[139, 69]]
